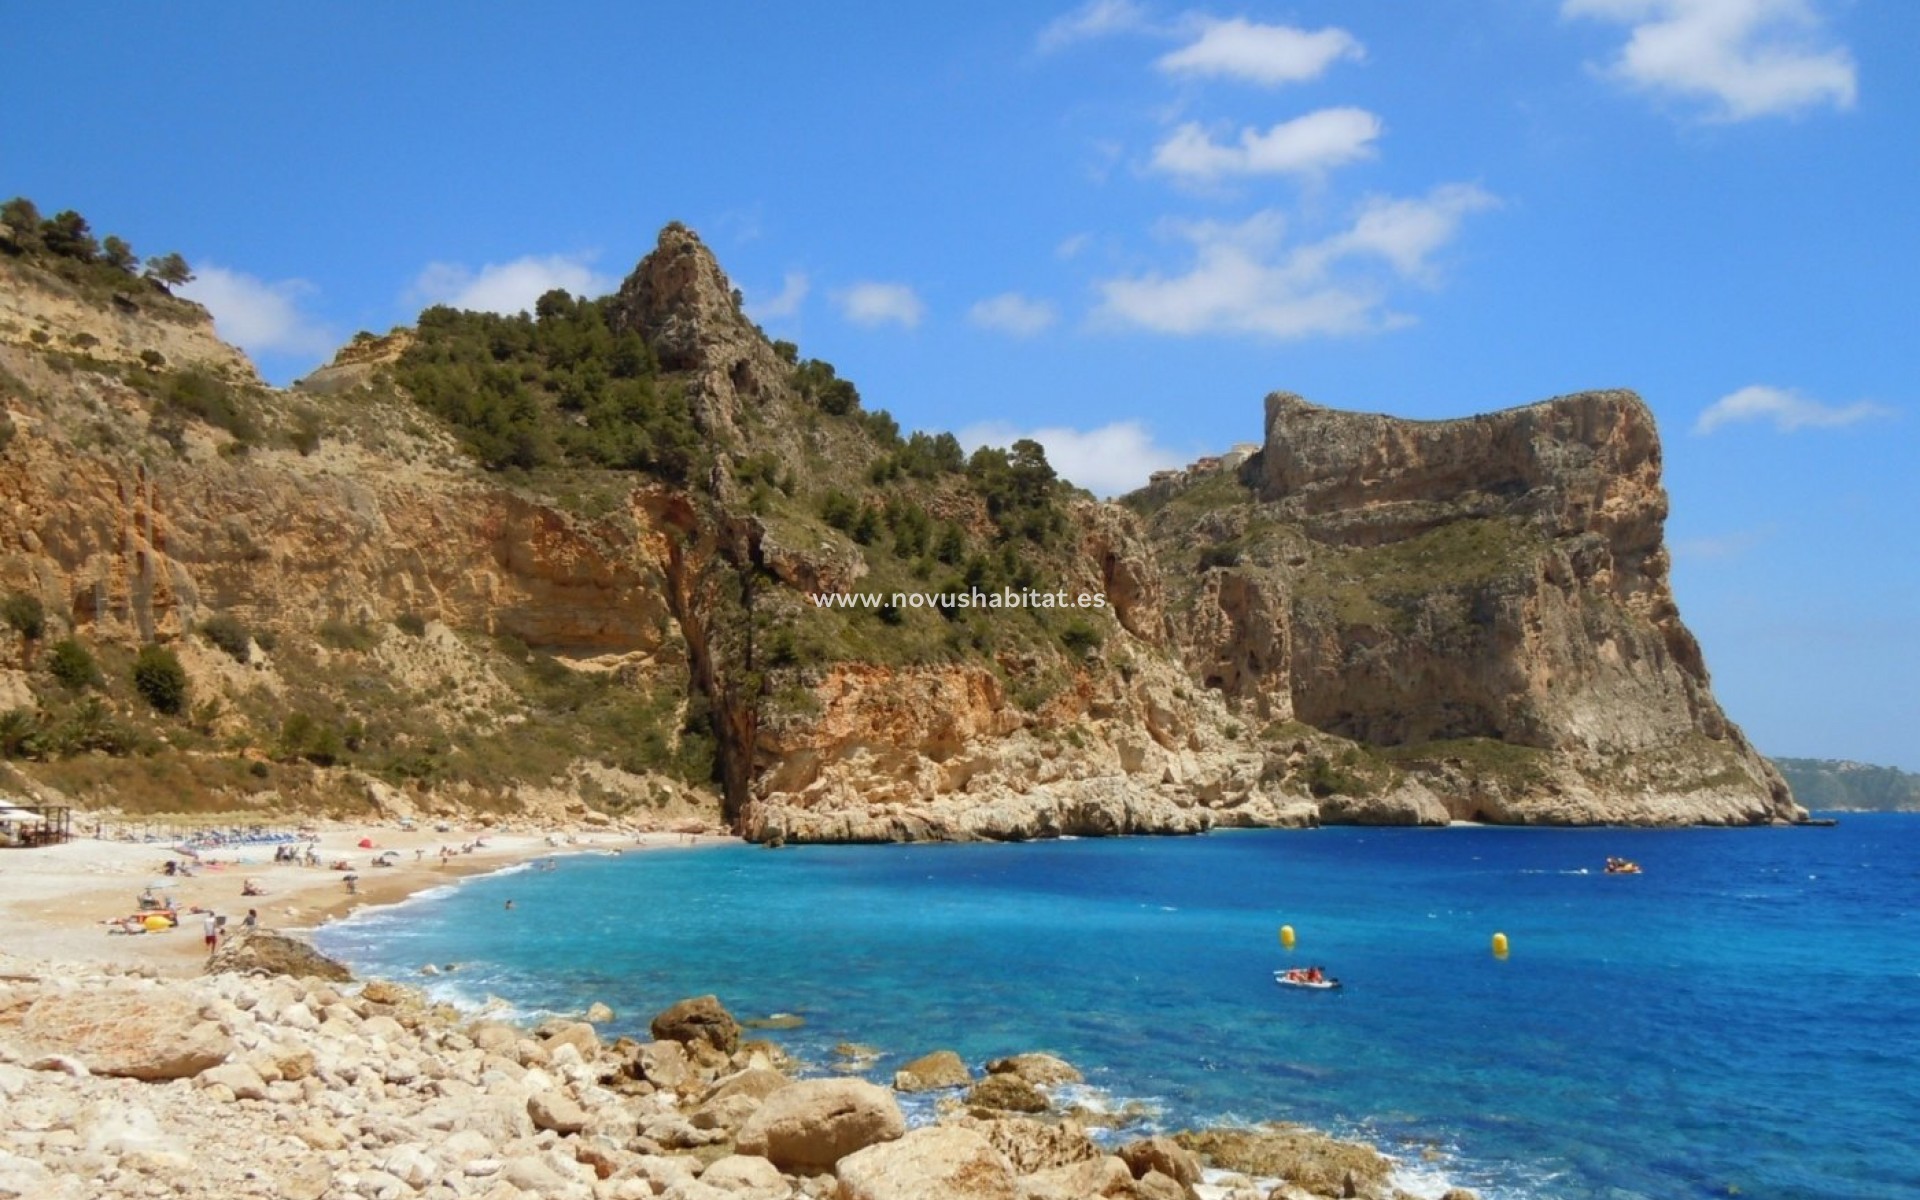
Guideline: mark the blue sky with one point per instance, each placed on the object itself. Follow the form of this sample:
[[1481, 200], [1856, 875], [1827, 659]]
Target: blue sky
[[1121, 224]]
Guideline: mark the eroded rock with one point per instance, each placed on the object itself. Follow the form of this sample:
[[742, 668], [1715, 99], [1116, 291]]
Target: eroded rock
[[701, 1020], [937, 1162], [812, 1124]]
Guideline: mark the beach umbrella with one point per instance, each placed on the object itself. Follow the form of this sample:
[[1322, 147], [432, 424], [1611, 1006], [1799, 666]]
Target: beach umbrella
[[366, 843]]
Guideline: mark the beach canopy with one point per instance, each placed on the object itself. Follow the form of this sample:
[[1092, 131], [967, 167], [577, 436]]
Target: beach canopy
[[20, 815]]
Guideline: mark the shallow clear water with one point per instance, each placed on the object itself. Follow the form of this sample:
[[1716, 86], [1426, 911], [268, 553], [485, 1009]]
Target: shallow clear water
[[1745, 1015]]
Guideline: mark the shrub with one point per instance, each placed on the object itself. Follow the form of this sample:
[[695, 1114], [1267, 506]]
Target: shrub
[[91, 726], [817, 381], [169, 269], [68, 235], [160, 679], [412, 624], [839, 510], [25, 614], [319, 742], [345, 635], [72, 664], [21, 735], [7, 430], [1226, 554], [325, 747], [198, 393], [1080, 637], [1324, 779], [116, 253], [306, 431], [295, 729], [230, 635]]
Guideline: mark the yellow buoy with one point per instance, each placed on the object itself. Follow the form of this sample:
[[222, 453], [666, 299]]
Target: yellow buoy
[[1499, 945], [156, 923], [1286, 936]]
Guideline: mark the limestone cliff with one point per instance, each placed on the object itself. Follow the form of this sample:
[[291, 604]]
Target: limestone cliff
[[1482, 603], [598, 595]]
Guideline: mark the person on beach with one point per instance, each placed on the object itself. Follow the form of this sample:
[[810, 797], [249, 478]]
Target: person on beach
[[212, 925], [252, 921]]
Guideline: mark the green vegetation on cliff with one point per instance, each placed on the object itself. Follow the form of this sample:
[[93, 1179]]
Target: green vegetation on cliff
[[64, 244], [560, 387]]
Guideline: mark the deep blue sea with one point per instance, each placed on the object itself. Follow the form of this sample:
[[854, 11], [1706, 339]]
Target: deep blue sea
[[1741, 1019]]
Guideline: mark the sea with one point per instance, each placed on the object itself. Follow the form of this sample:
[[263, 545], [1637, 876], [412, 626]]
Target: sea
[[1742, 1018]]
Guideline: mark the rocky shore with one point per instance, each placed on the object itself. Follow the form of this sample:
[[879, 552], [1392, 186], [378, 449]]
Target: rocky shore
[[277, 1075]]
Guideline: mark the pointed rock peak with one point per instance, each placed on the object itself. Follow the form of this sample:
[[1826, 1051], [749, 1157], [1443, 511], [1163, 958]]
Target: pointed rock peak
[[680, 300]]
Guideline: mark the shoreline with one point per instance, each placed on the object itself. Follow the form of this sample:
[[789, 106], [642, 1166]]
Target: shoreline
[[57, 898], [58, 902]]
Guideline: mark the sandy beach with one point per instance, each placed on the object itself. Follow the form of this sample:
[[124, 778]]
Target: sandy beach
[[60, 903]]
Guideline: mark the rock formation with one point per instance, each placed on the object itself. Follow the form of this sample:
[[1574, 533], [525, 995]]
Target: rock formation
[[1368, 620], [1484, 600], [233, 1084]]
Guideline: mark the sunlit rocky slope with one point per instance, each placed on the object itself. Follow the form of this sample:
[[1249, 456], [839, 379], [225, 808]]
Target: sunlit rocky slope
[[564, 562]]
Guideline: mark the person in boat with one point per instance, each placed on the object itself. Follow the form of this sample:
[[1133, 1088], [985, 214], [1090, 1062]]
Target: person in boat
[[1315, 975]]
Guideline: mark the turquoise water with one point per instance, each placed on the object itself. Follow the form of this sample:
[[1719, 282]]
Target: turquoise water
[[1745, 1015]]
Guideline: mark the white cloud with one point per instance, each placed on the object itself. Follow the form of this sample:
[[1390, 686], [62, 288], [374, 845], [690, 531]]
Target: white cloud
[[1786, 409], [1070, 247], [1316, 142], [1751, 58], [1012, 313], [1407, 233], [1247, 279], [257, 316], [508, 287], [793, 292], [873, 304], [1094, 19], [1264, 54], [1107, 461]]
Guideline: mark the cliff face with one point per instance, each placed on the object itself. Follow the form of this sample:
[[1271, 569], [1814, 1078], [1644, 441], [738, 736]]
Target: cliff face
[[1371, 620], [1484, 602]]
